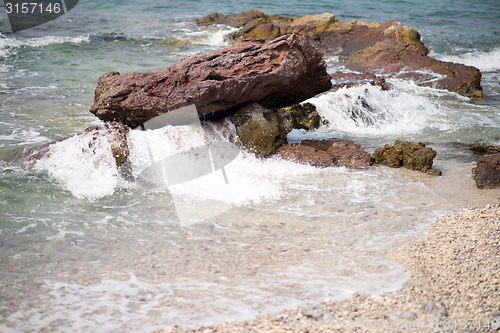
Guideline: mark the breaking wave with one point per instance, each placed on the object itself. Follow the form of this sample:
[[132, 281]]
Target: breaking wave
[[488, 61], [8, 46], [369, 111]]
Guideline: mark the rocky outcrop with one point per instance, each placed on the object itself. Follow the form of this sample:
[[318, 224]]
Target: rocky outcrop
[[487, 172], [327, 153], [261, 131], [278, 73], [369, 48], [115, 133], [413, 156]]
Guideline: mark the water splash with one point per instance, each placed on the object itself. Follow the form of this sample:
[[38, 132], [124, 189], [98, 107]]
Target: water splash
[[369, 111], [485, 61]]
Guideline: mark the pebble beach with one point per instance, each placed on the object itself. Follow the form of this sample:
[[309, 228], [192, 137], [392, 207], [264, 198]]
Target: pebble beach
[[454, 287]]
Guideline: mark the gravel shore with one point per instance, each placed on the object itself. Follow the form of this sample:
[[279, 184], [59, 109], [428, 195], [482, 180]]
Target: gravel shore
[[454, 287]]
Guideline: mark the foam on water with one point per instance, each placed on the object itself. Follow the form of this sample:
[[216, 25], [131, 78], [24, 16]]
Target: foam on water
[[485, 61], [19, 135], [9, 46], [118, 260], [369, 111], [215, 36], [250, 180], [84, 165]]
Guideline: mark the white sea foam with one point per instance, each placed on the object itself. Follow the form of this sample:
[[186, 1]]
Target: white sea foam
[[20, 134], [215, 36], [488, 61], [250, 180], [369, 111], [84, 165], [138, 305], [10, 46]]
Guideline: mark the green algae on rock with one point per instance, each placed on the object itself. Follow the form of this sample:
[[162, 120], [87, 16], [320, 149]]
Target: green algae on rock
[[413, 156]]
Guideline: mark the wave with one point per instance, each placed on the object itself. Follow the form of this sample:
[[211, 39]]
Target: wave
[[19, 135], [485, 61], [8, 46], [213, 36], [369, 111], [84, 165]]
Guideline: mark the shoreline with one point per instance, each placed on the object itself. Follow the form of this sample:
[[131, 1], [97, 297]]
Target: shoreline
[[454, 286]]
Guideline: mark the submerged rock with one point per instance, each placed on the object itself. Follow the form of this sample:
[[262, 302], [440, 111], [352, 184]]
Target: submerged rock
[[413, 156], [326, 153], [487, 172], [366, 47], [477, 148], [261, 131], [278, 73], [115, 133]]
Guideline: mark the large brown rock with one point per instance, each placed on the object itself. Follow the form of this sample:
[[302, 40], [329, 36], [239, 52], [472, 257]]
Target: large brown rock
[[261, 131], [362, 46], [413, 156], [278, 73], [326, 153], [115, 133], [392, 48], [487, 172]]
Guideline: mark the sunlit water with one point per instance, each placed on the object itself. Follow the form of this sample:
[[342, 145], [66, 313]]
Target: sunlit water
[[87, 246]]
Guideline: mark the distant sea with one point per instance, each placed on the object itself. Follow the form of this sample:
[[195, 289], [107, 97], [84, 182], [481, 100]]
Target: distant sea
[[85, 246]]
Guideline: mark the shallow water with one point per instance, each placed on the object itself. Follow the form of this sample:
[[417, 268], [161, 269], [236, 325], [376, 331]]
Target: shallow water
[[86, 246]]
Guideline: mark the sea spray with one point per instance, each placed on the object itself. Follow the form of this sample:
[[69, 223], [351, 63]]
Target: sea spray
[[10, 46], [485, 61], [84, 165], [367, 110]]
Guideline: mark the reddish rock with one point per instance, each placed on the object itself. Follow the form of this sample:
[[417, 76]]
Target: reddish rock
[[366, 47], [116, 134], [487, 172], [326, 153], [306, 155], [278, 73]]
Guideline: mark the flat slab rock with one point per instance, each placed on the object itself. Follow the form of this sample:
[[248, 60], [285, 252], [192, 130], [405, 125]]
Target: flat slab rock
[[279, 73], [327, 153]]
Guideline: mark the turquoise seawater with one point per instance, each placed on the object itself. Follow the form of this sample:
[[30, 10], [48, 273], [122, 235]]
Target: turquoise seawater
[[85, 246]]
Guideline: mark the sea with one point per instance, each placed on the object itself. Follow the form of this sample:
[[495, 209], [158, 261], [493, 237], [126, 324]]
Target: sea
[[89, 247]]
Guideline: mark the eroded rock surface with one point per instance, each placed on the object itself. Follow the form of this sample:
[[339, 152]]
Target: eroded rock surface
[[370, 48], [279, 73], [487, 172], [413, 156], [326, 153], [261, 131], [112, 132]]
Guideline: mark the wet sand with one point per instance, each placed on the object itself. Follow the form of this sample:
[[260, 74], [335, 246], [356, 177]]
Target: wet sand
[[454, 287]]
